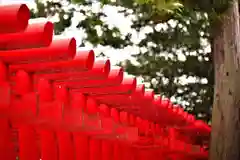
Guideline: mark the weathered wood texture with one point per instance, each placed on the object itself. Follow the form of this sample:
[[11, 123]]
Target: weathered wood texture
[[225, 139]]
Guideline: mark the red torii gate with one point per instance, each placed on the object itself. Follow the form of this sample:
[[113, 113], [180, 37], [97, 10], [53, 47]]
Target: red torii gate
[[58, 103]]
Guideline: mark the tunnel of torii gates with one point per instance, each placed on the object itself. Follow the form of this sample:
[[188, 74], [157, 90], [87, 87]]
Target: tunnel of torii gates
[[58, 103]]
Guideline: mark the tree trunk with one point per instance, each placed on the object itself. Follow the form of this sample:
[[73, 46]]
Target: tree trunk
[[225, 138]]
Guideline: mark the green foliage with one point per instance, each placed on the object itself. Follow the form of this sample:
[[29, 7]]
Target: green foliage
[[158, 61], [160, 65], [162, 5], [110, 36], [51, 9], [213, 7]]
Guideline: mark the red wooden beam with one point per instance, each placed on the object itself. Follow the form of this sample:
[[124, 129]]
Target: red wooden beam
[[14, 18], [35, 35], [57, 50], [66, 105]]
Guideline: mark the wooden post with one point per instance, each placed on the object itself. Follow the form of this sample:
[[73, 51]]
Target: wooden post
[[225, 138]]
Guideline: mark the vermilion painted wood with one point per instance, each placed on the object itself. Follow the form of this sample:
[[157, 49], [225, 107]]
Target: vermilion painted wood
[[123, 101], [72, 118], [66, 145], [83, 63], [95, 149], [35, 35], [125, 131], [136, 104], [138, 97], [5, 89], [5, 97], [127, 86], [23, 82], [100, 70], [58, 49], [107, 150], [28, 146], [91, 118], [14, 18], [82, 146], [114, 78], [117, 151], [110, 122], [7, 150], [45, 84], [43, 95], [48, 145], [90, 122], [104, 126], [197, 128]]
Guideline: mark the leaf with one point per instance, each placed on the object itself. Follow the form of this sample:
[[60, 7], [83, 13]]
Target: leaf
[[141, 2], [169, 7], [77, 1]]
